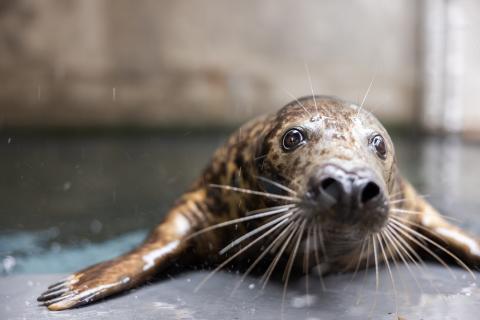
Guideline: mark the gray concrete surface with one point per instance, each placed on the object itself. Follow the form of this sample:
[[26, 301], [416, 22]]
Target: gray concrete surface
[[436, 296]]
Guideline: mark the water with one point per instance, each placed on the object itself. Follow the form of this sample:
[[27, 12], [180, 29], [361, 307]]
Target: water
[[70, 201]]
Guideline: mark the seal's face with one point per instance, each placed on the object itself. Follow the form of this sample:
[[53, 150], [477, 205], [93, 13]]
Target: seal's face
[[337, 157]]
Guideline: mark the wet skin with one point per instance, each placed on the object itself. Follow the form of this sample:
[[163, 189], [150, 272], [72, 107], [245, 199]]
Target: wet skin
[[315, 184]]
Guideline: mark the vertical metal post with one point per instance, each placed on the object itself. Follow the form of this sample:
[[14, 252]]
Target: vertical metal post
[[443, 65]]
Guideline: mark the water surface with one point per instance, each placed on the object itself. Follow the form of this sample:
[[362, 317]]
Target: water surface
[[69, 201]]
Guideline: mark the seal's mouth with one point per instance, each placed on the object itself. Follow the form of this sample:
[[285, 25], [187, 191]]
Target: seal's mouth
[[347, 197]]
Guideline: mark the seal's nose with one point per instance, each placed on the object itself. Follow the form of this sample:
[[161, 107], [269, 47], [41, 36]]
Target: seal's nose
[[346, 192], [350, 192]]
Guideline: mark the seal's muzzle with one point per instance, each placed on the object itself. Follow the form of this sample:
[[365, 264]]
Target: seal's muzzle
[[350, 197]]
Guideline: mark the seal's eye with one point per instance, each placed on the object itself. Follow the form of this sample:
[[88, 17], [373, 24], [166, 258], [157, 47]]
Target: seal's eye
[[377, 143], [292, 139]]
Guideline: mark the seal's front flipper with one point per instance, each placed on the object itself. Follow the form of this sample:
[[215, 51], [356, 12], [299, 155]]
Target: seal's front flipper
[[94, 283], [452, 238], [165, 244]]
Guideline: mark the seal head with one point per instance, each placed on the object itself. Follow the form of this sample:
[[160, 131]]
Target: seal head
[[337, 157]]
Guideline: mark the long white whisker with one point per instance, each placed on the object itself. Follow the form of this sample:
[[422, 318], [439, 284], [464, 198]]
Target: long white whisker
[[311, 87], [299, 103], [306, 257], [274, 263], [385, 257], [278, 185], [261, 214], [448, 252], [394, 195], [418, 243], [254, 232], [282, 208], [397, 246], [357, 267], [367, 262], [317, 258], [258, 193], [377, 277], [423, 227], [366, 93], [409, 251], [397, 201], [223, 264], [260, 257], [405, 211], [291, 259], [322, 242]]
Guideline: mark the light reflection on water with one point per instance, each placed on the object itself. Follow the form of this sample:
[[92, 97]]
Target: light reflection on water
[[71, 201]]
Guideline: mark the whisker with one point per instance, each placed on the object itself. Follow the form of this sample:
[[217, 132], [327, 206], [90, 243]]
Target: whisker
[[407, 221], [301, 104], [254, 232], [417, 242], [367, 262], [391, 196], [317, 258], [306, 257], [260, 257], [442, 248], [405, 211], [377, 277], [380, 237], [258, 193], [262, 213], [357, 267], [397, 201], [408, 249], [366, 93], [282, 208], [311, 87], [394, 195], [223, 264], [394, 254], [322, 242], [291, 259], [260, 157], [423, 227], [398, 248], [274, 263], [278, 185]]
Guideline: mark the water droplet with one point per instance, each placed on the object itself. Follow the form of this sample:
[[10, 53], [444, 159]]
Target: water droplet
[[56, 247], [67, 185], [8, 264], [96, 226], [303, 301], [251, 286]]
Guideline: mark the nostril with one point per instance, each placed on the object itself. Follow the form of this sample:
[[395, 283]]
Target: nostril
[[332, 187], [327, 183], [371, 191]]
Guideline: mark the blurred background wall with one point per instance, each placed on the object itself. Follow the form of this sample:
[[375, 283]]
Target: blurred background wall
[[90, 63]]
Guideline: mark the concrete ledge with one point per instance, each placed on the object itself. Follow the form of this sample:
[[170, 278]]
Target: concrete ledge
[[436, 296]]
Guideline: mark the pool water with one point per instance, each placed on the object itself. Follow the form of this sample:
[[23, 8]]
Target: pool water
[[70, 201]]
